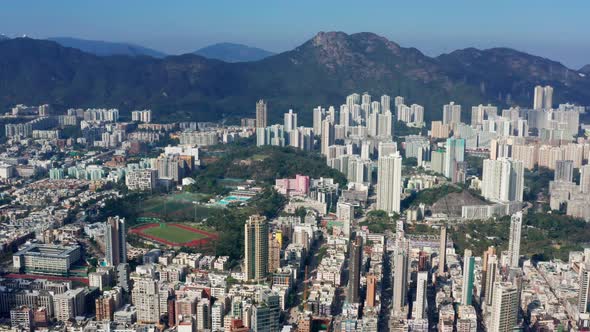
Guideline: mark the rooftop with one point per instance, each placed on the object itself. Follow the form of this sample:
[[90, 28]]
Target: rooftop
[[48, 250]]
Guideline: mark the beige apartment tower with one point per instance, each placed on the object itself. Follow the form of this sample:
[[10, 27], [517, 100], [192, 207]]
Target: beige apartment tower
[[256, 248], [261, 114]]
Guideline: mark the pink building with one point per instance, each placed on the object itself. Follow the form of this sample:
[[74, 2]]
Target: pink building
[[290, 187]]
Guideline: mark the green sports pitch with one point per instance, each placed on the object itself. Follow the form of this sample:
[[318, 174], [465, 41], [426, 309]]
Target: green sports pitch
[[173, 233]]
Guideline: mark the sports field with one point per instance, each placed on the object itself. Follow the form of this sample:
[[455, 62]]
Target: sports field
[[175, 207], [174, 234]]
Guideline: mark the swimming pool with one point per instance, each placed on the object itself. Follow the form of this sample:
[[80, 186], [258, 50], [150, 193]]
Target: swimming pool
[[231, 199]]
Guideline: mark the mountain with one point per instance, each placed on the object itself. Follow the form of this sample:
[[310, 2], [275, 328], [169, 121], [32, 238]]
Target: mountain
[[585, 69], [104, 48], [322, 71], [229, 52], [510, 75], [3, 37]]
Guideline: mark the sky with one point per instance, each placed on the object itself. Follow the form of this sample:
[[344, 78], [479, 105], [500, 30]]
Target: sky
[[558, 30]]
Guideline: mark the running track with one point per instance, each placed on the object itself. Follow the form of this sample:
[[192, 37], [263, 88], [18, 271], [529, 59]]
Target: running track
[[139, 230]]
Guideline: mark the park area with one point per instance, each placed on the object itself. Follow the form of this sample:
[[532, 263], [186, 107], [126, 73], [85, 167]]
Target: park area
[[173, 234], [180, 207]]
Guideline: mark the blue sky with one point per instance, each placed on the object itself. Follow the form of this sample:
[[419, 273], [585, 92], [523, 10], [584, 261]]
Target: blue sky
[[555, 29]]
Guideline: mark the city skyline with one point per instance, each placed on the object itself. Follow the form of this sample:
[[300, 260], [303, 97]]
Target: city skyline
[[352, 183], [186, 26]]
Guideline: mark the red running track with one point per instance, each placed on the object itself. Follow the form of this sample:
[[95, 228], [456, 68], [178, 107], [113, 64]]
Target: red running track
[[194, 243]]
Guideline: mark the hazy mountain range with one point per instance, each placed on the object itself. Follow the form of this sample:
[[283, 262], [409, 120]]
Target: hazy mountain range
[[322, 71], [227, 52], [230, 52], [104, 48]]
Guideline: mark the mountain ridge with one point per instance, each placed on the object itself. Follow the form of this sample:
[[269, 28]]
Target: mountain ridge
[[107, 48], [321, 71], [233, 52]]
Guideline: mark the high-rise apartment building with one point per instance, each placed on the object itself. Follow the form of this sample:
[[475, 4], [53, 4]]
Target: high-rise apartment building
[[145, 296], [265, 314], [564, 170], [442, 251], [400, 280], [584, 288], [274, 250], [328, 136], [528, 154], [356, 260], [122, 276], [169, 167], [480, 113], [454, 155], [538, 98], [142, 116], [69, 304], [203, 315], [385, 103], [371, 290], [116, 241], [490, 279], [503, 180], [514, 238], [389, 185], [468, 277], [318, 117], [585, 179], [439, 129], [451, 114], [261, 114], [421, 301], [290, 121], [256, 248], [491, 251], [543, 99], [105, 307], [217, 313], [504, 315], [385, 124]]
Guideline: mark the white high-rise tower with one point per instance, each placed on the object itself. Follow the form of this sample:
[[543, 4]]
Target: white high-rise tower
[[514, 238], [290, 121], [389, 177]]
